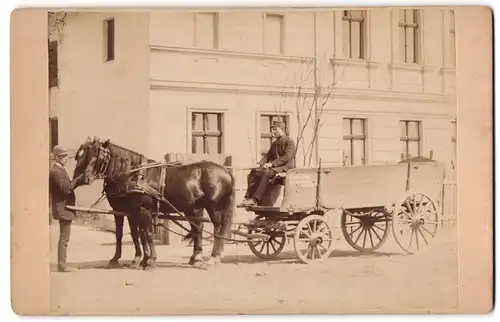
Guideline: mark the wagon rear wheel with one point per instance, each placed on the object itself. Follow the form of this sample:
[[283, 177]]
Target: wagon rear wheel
[[313, 240], [271, 248], [367, 231], [415, 221]]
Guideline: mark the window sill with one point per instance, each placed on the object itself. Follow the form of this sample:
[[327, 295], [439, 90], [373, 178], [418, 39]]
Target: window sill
[[355, 62], [417, 67]]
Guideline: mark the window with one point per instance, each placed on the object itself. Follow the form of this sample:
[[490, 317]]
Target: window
[[207, 133], [408, 35], [353, 144], [452, 39], [353, 27], [207, 30], [410, 139], [266, 138], [53, 133], [53, 64], [273, 34], [109, 32]]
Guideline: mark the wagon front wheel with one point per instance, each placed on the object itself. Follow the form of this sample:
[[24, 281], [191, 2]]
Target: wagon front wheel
[[415, 221], [272, 247], [313, 240]]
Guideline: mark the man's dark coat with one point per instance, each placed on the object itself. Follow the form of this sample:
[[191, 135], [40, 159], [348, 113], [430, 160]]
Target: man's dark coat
[[61, 193], [281, 154]]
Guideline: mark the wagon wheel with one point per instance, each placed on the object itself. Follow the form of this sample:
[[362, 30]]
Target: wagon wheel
[[269, 249], [415, 222], [313, 240], [367, 232]]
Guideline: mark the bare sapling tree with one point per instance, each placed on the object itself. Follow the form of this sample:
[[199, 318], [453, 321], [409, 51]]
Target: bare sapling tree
[[309, 104]]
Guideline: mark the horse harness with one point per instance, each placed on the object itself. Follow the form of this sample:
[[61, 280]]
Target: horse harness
[[139, 185]]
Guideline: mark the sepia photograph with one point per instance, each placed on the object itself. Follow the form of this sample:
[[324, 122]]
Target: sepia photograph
[[254, 161]]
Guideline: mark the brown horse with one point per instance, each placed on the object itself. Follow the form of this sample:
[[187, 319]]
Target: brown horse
[[190, 188]]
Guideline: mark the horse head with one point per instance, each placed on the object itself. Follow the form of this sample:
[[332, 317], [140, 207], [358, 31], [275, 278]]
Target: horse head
[[92, 160]]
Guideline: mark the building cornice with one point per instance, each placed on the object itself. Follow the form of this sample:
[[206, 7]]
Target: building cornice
[[369, 94], [218, 52]]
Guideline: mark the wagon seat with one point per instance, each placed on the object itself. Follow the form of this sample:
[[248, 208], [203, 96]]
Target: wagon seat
[[279, 178]]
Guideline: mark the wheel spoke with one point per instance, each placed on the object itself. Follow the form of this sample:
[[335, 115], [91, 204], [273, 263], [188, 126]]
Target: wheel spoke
[[267, 249], [359, 236], [416, 237], [422, 234], [319, 252], [274, 248], [323, 247], [376, 234], [262, 248], [305, 233], [353, 223], [423, 227], [352, 233], [410, 209], [376, 226], [371, 238], [309, 229], [411, 238], [364, 238]]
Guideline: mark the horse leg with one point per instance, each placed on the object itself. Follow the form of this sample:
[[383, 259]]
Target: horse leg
[[134, 232], [215, 217], [222, 220], [144, 242], [196, 234], [151, 262], [114, 262]]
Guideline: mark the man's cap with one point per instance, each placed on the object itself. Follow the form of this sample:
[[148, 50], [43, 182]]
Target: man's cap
[[278, 123], [59, 151]]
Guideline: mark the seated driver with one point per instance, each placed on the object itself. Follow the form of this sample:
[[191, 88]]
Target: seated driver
[[279, 158]]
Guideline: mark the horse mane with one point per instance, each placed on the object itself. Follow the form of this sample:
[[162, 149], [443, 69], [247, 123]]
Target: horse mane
[[123, 159]]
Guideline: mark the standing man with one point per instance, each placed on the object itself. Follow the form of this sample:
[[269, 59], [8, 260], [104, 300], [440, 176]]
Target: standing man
[[279, 158], [62, 194]]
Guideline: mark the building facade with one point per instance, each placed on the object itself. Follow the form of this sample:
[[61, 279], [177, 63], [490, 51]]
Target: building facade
[[355, 87]]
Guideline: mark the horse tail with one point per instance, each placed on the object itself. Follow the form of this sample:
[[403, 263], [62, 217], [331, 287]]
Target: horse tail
[[228, 212]]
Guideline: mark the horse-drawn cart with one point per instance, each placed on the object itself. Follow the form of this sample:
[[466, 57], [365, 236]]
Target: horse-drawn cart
[[372, 199]]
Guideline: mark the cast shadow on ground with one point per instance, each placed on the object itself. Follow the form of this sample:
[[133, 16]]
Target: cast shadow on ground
[[124, 265], [290, 257]]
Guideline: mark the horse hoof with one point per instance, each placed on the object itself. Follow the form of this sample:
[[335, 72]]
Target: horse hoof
[[213, 261], [199, 264], [194, 259], [113, 264], [149, 267], [134, 265]]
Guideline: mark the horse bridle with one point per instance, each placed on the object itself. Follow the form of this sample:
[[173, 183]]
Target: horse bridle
[[101, 163]]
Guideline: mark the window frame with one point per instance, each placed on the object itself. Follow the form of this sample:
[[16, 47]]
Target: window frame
[[215, 29], [53, 63], [347, 16], [268, 135], [109, 43], [407, 139], [53, 127], [281, 16], [415, 25], [352, 138], [220, 132]]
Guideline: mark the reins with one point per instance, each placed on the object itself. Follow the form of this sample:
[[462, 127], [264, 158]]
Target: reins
[[103, 167]]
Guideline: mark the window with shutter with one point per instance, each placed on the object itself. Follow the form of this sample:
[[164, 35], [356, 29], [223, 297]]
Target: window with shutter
[[53, 65]]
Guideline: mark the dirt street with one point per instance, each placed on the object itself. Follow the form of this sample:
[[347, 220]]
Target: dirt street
[[348, 282]]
